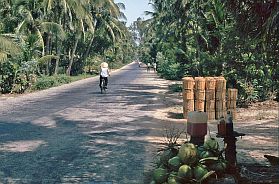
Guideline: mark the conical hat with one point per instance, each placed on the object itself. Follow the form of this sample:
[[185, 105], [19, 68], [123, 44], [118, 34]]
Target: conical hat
[[104, 65]]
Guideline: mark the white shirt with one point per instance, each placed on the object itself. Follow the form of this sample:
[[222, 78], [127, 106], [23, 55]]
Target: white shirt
[[104, 72]]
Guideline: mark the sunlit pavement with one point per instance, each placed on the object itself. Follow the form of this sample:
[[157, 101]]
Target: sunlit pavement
[[75, 134]]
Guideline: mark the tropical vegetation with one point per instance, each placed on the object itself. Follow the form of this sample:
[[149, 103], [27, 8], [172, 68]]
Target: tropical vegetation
[[40, 38], [234, 38]]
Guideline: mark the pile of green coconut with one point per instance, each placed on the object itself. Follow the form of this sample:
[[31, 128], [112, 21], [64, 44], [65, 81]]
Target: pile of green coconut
[[188, 163]]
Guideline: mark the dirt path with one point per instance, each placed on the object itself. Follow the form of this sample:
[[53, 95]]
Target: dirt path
[[260, 123], [75, 134]]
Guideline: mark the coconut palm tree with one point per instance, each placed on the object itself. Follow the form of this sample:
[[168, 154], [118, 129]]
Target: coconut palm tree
[[38, 27], [75, 19], [106, 13]]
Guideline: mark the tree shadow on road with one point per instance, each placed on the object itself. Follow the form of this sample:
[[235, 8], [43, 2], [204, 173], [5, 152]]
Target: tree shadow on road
[[73, 151]]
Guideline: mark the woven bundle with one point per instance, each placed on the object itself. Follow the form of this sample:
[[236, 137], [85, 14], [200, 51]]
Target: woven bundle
[[188, 95], [208, 94], [199, 94], [221, 109], [210, 85], [231, 102], [188, 83]]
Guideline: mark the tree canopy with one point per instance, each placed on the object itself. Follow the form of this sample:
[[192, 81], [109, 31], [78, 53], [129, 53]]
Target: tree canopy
[[233, 38], [49, 37]]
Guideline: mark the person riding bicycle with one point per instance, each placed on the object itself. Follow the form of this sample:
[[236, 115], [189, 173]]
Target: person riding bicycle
[[104, 73], [148, 67]]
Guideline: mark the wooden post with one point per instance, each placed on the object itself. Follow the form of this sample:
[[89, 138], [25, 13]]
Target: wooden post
[[188, 95]]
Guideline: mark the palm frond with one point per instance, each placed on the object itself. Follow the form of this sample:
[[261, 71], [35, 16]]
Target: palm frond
[[184, 3], [47, 58], [26, 14], [77, 8], [118, 27], [64, 3], [149, 13], [273, 22], [41, 40], [121, 6], [122, 16], [48, 4], [89, 22], [52, 27], [7, 45], [21, 26], [110, 30], [113, 8], [3, 56]]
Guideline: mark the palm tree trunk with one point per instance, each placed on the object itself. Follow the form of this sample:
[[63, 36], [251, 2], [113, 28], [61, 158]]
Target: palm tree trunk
[[68, 72], [47, 52], [89, 46], [57, 65], [58, 52]]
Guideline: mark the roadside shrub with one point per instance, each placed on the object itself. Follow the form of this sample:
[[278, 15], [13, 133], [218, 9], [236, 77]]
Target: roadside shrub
[[46, 82], [175, 87], [167, 68], [248, 93], [7, 74], [170, 70], [63, 79]]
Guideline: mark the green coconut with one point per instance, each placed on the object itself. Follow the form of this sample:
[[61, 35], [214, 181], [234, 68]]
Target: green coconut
[[166, 155], [173, 174], [172, 180], [160, 175], [184, 172], [200, 149], [219, 166], [211, 144], [188, 153], [206, 154], [200, 171], [174, 163], [152, 182]]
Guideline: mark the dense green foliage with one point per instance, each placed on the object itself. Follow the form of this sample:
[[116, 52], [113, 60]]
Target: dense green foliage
[[50, 37], [46, 82], [233, 38]]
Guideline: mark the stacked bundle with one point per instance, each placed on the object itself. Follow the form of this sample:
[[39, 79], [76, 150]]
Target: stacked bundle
[[231, 102], [208, 95], [210, 84], [220, 97], [199, 93], [188, 95]]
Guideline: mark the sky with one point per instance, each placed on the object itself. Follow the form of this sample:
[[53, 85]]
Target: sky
[[135, 9]]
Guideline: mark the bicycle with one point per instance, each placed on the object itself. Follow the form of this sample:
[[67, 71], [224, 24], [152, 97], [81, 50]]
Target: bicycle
[[102, 86]]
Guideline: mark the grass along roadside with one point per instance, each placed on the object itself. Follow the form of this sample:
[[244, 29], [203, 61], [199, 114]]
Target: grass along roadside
[[46, 82]]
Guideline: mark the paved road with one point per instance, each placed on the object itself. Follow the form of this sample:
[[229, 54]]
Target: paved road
[[74, 134]]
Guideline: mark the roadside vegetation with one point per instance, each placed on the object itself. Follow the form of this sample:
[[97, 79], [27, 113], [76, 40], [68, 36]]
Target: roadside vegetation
[[236, 39], [44, 42]]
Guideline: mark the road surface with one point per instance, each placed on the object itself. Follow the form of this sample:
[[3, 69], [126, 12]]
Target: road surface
[[74, 134]]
